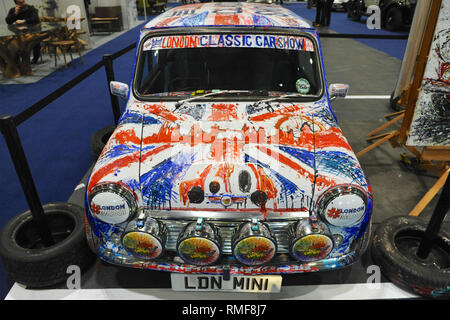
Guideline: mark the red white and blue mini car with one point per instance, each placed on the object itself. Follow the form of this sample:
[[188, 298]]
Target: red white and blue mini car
[[228, 157]]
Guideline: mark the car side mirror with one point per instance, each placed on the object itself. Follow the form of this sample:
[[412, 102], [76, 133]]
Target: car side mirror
[[338, 90], [119, 89]]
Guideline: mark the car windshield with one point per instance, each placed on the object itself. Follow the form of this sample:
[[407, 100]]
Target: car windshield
[[277, 64]]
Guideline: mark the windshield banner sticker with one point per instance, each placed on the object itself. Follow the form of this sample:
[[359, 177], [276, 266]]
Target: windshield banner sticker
[[231, 41]]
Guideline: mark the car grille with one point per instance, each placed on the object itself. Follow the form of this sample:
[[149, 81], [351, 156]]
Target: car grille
[[279, 230]]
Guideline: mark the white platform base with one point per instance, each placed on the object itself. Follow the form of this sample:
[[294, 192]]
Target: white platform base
[[360, 291]]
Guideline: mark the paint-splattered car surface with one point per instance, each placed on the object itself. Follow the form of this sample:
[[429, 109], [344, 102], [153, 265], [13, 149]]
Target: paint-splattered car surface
[[225, 14], [228, 155]]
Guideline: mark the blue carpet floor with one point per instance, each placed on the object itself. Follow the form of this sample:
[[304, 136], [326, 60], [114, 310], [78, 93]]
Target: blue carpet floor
[[56, 140]]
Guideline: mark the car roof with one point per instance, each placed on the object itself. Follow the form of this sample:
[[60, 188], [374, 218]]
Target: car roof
[[226, 14]]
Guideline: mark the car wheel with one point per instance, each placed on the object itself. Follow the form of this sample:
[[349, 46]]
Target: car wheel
[[394, 248], [29, 262], [99, 140], [92, 240], [393, 19]]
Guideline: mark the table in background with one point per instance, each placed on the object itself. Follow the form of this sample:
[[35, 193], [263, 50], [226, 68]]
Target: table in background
[[17, 43]]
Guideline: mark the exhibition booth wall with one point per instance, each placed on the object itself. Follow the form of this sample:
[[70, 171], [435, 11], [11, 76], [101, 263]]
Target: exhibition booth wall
[[56, 140]]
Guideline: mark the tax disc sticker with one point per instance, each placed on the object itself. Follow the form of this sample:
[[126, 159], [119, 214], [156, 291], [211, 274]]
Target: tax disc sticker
[[302, 85]]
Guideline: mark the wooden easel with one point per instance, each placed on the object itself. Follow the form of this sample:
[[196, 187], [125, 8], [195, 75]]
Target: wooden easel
[[435, 159]]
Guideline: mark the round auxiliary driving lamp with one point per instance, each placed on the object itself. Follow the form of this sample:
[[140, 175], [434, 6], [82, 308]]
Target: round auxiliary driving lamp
[[253, 243]]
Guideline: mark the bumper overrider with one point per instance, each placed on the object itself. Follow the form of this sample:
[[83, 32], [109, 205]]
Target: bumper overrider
[[215, 243]]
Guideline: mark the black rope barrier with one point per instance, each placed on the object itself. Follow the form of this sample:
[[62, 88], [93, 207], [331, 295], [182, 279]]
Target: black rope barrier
[[123, 51], [109, 68], [8, 128], [9, 131], [41, 104]]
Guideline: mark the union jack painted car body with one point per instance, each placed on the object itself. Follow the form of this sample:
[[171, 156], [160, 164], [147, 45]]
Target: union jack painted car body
[[292, 152]]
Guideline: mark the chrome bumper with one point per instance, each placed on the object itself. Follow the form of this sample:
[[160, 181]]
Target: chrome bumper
[[283, 263]]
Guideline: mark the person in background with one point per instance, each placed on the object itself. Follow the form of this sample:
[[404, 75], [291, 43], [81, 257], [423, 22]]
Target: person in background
[[22, 14], [87, 3], [327, 8], [319, 13]]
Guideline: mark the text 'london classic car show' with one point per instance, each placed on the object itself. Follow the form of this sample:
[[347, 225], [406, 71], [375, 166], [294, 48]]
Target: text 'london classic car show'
[[229, 150]]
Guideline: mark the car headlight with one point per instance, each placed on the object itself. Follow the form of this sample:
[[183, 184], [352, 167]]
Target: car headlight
[[309, 241], [343, 205], [253, 243], [145, 238], [112, 203], [199, 243]]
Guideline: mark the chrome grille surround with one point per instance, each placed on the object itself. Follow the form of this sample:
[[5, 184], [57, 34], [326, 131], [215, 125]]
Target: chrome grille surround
[[278, 228], [109, 248], [227, 222], [281, 264]]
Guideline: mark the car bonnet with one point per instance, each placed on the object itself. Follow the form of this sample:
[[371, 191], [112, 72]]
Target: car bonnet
[[288, 154]]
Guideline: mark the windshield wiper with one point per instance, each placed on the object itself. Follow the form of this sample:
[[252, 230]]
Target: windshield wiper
[[291, 95], [181, 102], [269, 107]]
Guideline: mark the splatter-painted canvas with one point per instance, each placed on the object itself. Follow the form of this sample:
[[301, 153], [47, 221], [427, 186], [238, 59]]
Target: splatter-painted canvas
[[431, 122]]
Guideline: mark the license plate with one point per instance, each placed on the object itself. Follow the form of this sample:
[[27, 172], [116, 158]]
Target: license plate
[[205, 282]]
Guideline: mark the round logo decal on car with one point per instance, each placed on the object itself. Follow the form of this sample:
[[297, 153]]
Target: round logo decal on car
[[345, 210], [303, 86], [110, 207]]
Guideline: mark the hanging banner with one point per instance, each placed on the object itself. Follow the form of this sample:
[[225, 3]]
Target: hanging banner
[[230, 41]]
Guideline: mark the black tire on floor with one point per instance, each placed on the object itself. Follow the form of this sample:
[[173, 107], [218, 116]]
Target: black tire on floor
[[394, 248], [29, 262], [393, 19], [99, 139]]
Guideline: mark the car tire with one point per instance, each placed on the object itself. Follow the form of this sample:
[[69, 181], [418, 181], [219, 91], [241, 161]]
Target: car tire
[[393, 19], [92, 240], [29, 262], [99, 140], [394, 248]]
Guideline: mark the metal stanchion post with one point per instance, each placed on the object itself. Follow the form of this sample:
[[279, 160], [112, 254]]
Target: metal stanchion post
[[435, 223], [9, 131], [145, 9], [109, 68]]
